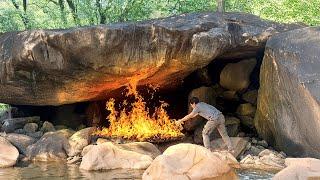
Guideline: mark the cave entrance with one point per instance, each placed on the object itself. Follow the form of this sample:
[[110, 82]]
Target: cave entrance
[[231, 85]]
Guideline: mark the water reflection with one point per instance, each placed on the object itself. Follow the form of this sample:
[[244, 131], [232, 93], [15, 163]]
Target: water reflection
[[61, 171]]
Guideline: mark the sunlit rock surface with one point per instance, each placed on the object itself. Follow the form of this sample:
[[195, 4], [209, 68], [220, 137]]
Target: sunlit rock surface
[[8, 153], [188, 161], [288, 112], [54, 67], [108, 156]]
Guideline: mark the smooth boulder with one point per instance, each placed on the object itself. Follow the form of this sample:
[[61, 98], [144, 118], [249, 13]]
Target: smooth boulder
[[8, 153], [79, 140], [300, 169], [108, 156], [53, 146], [288, 110], [20, 141], [188, 161], [236, 76]]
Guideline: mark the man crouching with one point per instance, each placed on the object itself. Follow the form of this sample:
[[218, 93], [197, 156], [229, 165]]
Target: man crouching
[[215, 120]]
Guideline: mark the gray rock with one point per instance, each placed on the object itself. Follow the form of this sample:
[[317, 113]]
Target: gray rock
[[65, 62], [47, 127], [36, 135], [263, 143], [30, 127], [79, 140], [51, 147], [10, 125], [19, 131], [288, 109], [20, 141]]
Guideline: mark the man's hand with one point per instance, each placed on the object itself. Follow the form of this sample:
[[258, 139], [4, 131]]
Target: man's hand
[[179, 123]]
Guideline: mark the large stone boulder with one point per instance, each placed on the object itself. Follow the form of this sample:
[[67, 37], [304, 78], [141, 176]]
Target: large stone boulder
[[53, 146], [8, 153], [288, 111], [236, 76], [109, 156], [188, 161], [20, 141], [79, 140], [300, 169], [54, 67]]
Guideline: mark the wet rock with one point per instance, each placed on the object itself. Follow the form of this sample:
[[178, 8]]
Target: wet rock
[[236, 76], [232, 125], [109, 156], [169, 49], [74, 160], [79, 140], [47, 127], [188, 161], [8, 153], [10, 125], [246, 109], [205, 94], [288, 109], [251, 96], [20, 141], [300, 169], [30, 127], [239, 145], [51, 147]]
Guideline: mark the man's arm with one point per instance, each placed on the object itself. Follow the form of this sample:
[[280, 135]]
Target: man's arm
[[189, 116]]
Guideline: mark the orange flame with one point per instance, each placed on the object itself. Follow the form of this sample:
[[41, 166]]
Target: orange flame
[[138, 124]]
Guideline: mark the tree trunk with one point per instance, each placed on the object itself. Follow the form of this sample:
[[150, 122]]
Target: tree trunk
[[62, 11], [74, 12], [101, 12], [221, 6], [23, 16]]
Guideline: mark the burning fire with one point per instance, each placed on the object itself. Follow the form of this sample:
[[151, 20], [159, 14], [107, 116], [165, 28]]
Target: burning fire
[[138, 123]]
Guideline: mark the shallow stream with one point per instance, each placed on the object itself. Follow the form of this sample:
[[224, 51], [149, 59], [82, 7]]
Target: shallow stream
[[61, 171]]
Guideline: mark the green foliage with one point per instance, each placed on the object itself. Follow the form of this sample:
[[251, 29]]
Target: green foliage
[[3, 108], [54, 14]]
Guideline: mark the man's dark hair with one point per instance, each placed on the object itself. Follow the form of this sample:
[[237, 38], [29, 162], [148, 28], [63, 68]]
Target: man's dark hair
[[194, 100]]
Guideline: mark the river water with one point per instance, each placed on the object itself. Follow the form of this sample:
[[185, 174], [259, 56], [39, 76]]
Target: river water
[[61, 171]]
